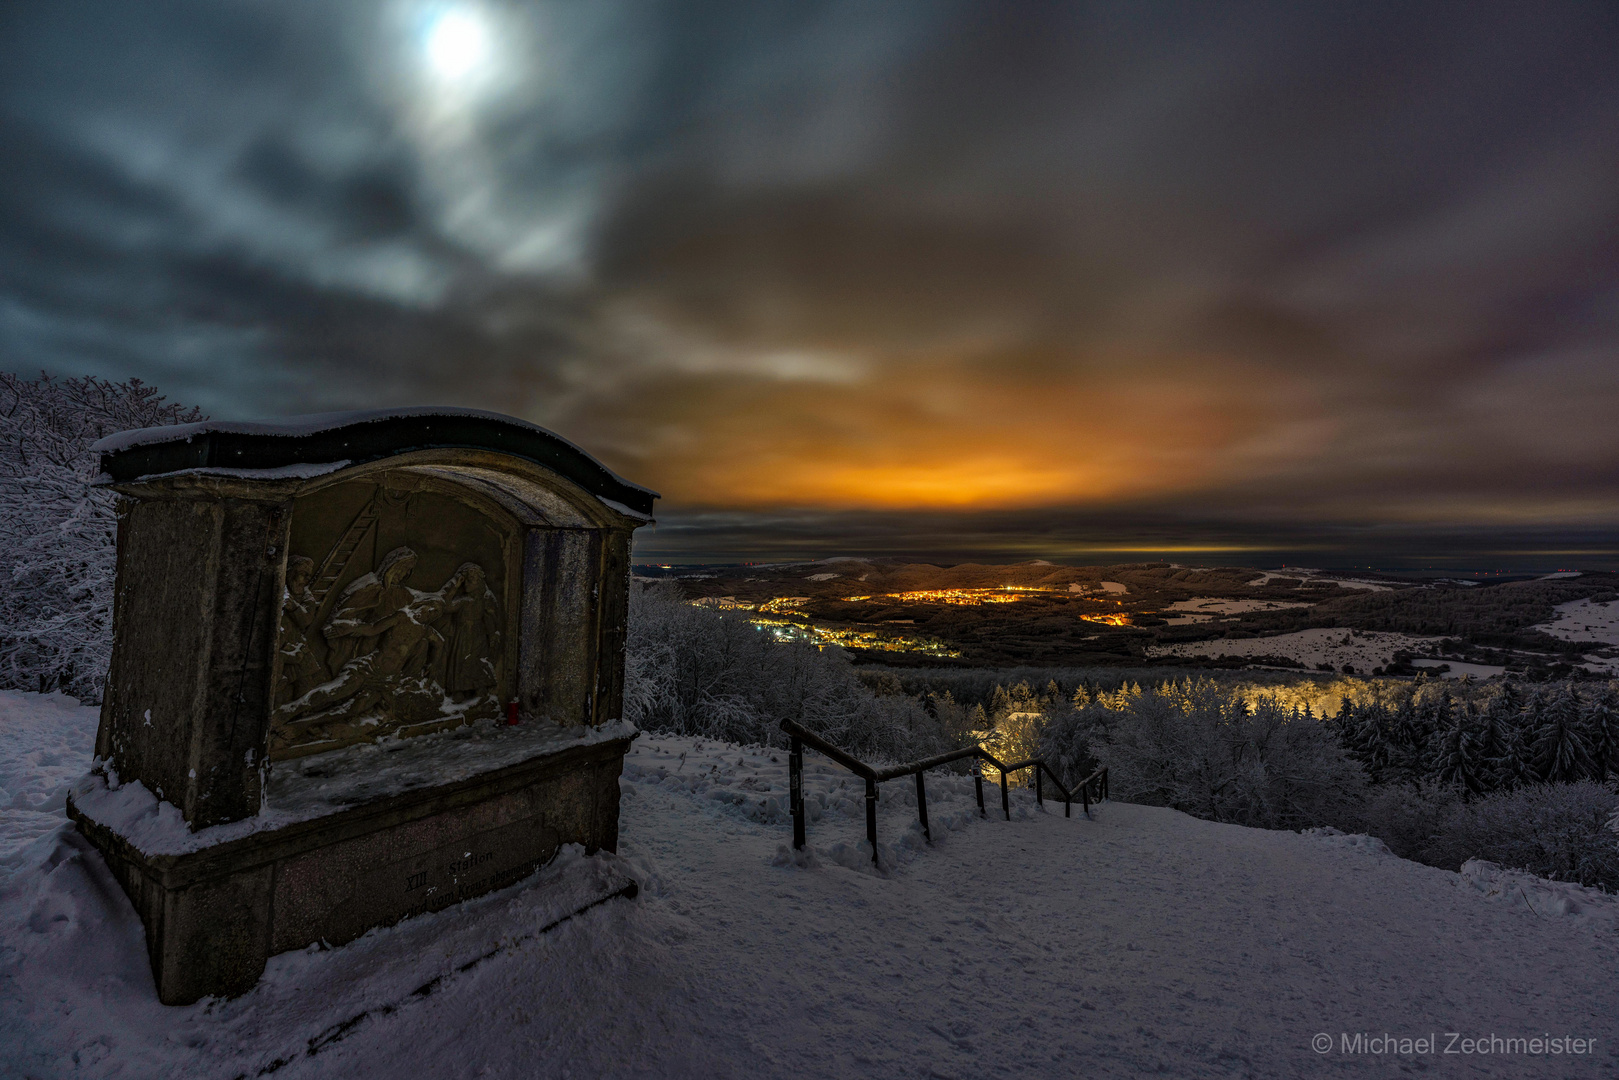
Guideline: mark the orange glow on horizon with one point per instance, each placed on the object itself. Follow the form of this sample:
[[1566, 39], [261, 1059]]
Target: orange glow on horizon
[[963, 482], [962, 435]]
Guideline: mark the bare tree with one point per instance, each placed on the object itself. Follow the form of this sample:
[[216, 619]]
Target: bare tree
[[57, 527]]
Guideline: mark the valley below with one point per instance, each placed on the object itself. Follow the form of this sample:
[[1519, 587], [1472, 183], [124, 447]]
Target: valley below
[[907, 614]]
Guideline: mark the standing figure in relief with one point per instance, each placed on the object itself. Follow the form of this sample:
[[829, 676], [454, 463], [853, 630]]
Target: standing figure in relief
[[362, 612], [472, 630], [301, 668]]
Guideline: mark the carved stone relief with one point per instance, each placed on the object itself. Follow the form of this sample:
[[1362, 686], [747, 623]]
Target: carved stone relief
[[395, 645]]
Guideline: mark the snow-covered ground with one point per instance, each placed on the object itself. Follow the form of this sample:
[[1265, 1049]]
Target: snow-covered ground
[[1212, 606], [1140, 942], [1461, 670], [1317, 645], [1304, 575], [1582, 620], [1363, 585], [45, 745]]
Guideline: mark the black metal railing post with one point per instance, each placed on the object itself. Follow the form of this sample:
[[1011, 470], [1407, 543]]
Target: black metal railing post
[[795, 787], [1006, 799], [1067, 796], [978, 784], [922, 806], [871, 816]]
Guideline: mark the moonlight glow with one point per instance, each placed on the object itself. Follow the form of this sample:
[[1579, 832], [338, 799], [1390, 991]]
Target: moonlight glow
[[459, 45]]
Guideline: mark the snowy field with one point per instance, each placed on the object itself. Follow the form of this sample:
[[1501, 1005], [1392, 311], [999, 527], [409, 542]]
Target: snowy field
[[1190, 611], [1317, 645], [1461, 670], [1307, 576], [1582, 620], [1140, 942]]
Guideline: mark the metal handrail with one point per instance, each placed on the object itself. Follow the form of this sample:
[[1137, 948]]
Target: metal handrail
[[801, 737]]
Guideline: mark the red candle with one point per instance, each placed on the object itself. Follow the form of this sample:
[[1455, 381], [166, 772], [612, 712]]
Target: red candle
[[511, 714]]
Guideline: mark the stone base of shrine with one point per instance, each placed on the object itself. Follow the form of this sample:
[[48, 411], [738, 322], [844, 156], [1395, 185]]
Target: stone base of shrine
[[215, 915]]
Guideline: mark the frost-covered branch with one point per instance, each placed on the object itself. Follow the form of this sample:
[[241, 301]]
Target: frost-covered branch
[[57, 531], [700, 672]]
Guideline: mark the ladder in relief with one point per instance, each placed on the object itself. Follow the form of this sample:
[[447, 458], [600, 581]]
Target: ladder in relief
[[338, 558]]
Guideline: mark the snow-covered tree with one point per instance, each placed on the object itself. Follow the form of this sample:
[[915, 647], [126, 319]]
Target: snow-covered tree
[[1020, 718], [1507, 749], [701, 672], [1560, 751], [1557, 831], [1204, 749], [957, 719], [1495, 723], [57, 530], [1460, 758], [1600, 721], [1406, 755], [1365, 731]]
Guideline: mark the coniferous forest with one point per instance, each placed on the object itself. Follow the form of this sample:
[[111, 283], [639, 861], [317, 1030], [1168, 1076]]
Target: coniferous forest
[[1551, 733]]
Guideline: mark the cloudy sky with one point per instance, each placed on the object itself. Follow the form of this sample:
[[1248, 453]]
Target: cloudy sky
[[982, 279]]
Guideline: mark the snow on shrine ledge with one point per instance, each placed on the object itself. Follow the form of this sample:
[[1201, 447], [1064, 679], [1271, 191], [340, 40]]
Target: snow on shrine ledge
[[293, 427], [280, 472], [620, 508], [323, 784], [359, 436]]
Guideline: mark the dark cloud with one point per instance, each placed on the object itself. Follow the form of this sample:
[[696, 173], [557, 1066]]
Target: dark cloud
[[1275, 266], [831, 267], [373, 202]]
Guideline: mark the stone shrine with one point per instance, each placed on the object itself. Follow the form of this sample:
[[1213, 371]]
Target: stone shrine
[[364, 665]]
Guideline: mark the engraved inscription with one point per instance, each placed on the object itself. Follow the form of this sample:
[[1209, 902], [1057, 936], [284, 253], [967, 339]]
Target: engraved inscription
[[466, 864], [449, 881]]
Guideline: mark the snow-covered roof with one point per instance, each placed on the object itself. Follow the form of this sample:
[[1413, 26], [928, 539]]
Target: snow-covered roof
[[356, 437]]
